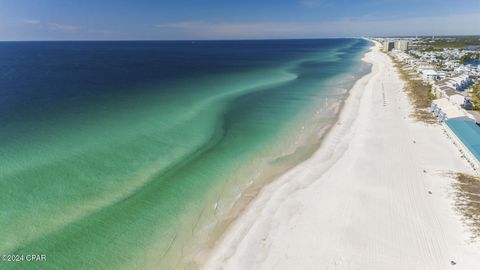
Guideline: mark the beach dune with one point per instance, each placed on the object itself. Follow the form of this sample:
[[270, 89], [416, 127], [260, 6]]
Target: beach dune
[[376, 195]]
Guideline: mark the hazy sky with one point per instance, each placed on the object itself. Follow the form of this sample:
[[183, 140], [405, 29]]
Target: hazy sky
[[229, 19]]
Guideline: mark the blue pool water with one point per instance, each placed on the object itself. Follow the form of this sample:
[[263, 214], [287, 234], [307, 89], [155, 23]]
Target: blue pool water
[[469, 133]]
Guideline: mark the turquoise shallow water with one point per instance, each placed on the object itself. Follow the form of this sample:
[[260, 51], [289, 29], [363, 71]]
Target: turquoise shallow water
[[123, 155]]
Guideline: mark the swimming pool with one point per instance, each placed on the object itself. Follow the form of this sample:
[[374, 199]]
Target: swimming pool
[[468, 132]]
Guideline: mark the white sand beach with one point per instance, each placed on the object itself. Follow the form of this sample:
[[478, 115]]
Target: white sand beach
[[362, 201]]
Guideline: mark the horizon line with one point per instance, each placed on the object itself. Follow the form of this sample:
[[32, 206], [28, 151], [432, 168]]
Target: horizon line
[[234, 39]]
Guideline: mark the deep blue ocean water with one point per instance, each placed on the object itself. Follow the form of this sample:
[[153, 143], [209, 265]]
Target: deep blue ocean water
[[123, 155]]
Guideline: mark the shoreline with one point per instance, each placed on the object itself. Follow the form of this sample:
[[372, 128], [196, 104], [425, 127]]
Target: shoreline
[[253, 192], [259, 237], [283, 164]]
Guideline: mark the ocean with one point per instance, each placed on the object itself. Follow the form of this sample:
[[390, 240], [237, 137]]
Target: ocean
[[138, 154]]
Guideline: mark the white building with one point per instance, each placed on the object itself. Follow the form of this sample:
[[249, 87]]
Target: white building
[[443, 89], [430, 75], [457, 99], [444, 110], [401, 45], [388, 45]]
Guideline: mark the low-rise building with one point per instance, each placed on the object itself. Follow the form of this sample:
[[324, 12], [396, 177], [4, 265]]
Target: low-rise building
[[451, 86], [457, 100], [442, 89], [444, 110], [431, 75]]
